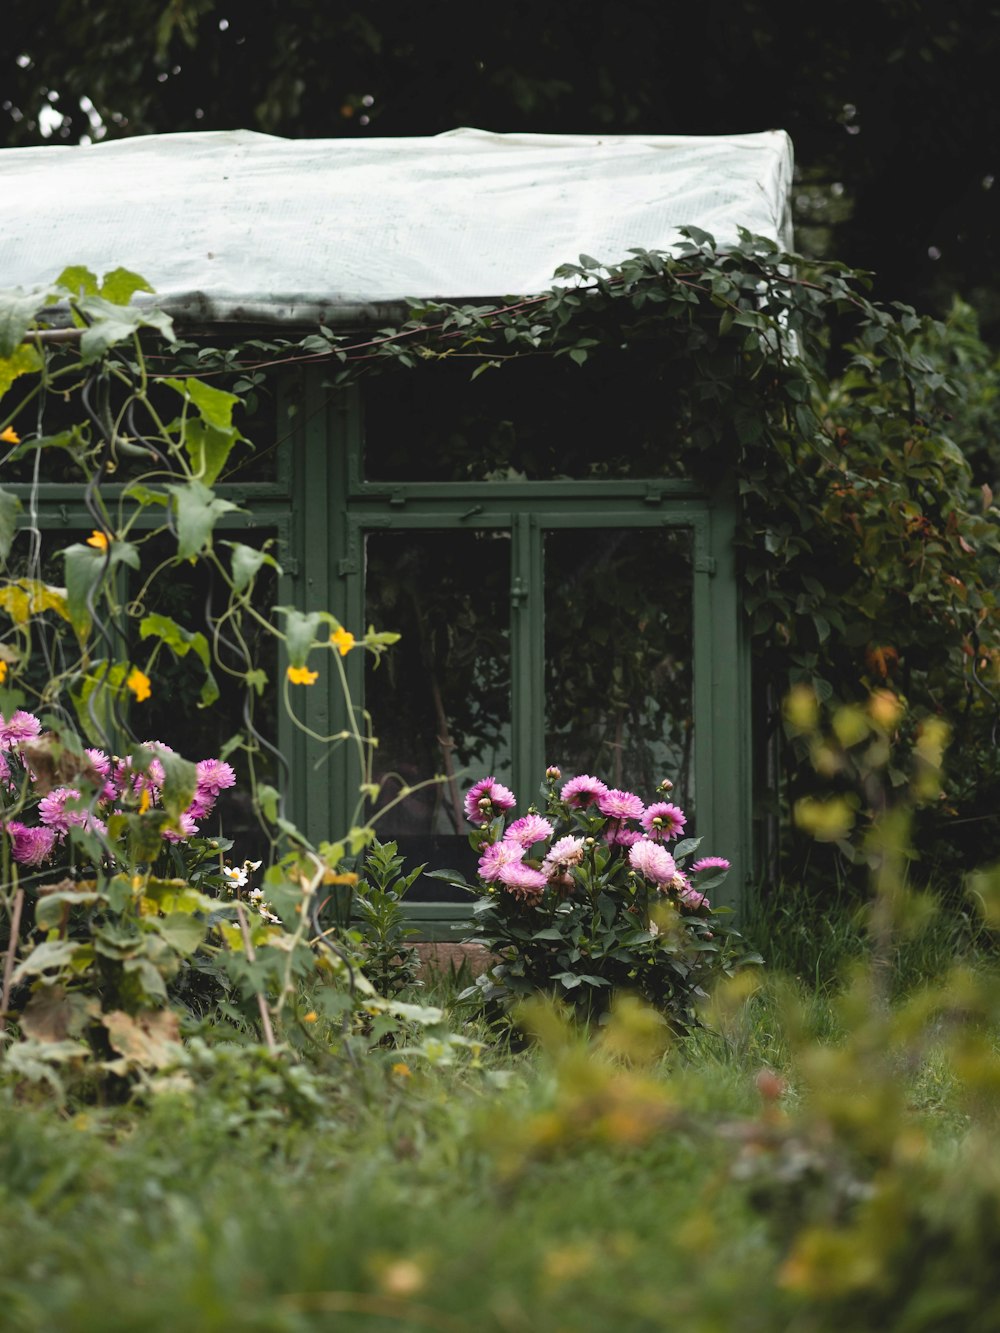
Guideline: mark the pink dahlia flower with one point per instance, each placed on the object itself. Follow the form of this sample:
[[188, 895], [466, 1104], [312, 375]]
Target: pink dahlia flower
[[582, 791], [21, 726], [52, 809], [529, 830], [652, 861], [709, 863], [214, 775], [53, 813], [663, 821], [617, 804], [692, 898], [562, 854], [30, 846], [496, 856], [101, 765], [487, 798], [523, 881], [188, 828], [616, 836]]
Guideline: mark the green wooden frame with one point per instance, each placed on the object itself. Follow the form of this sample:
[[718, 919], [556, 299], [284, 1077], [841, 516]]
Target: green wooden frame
[[334, 507]]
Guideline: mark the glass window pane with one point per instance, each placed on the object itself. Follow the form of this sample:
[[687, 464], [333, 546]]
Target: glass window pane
[[537, 419], [440, 699], [618, 653]]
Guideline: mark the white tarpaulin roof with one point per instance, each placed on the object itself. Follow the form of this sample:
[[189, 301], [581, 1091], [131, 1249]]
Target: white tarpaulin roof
[[232, 225]]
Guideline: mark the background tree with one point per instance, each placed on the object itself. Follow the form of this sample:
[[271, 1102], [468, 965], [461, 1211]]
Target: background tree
[[890, 103]]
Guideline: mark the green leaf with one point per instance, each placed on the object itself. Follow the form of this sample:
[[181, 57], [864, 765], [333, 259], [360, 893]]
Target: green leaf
[[180, 781], [300, 632], [53, 954], [78, 281], [182, 641], [50, 907], [267, 800], [85, 567], [17, 314], [208, 449], [215, 405], [10, 506], [120, 285], [247, 562], [182, 931], [152, 983], [111, 324], [24, 360], [95, 698], [197, 511]]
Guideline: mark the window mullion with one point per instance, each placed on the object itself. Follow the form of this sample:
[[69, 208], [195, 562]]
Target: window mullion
[[527, 628]]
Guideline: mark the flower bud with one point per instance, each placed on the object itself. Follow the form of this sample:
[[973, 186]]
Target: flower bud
[[665, 785], [553, 774]]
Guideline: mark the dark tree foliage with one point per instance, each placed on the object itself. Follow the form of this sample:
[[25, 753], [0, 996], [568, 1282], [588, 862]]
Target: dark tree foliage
[[890, 103]]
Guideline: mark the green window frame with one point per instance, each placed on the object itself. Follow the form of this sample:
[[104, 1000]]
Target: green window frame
[[334, 507]]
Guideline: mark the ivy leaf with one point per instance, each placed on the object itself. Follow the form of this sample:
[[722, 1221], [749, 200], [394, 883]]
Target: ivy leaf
[[198, 511]]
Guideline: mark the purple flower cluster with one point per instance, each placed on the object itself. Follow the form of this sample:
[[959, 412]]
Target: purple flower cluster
[[119, 782]]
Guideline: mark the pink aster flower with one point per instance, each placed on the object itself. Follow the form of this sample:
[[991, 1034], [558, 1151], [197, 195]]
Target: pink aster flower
[[529, 830], [21, 727], [214, 775], [496, 856], [30, 846], [487, 798], [582, 791], [709, 863], [652, 861], [663, 821], [522, 880], [617, 804]]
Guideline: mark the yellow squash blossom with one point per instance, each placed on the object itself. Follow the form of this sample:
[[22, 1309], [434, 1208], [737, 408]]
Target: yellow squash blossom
[[98, 540], [10, 436], [343, 640], [302, 675], [138, 683]]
